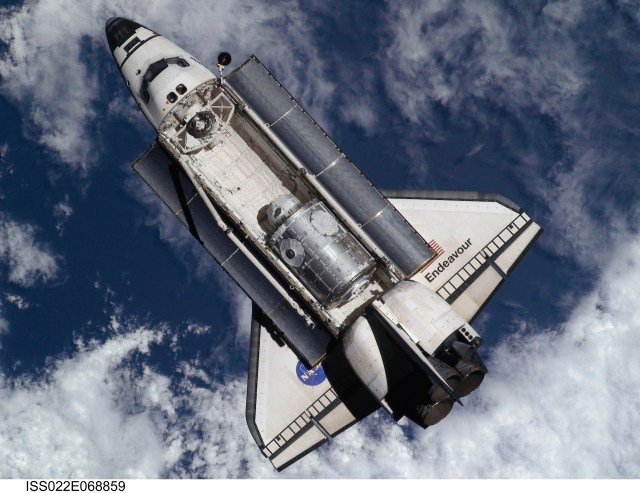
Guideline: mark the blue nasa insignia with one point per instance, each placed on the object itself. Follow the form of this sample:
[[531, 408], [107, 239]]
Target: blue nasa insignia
[[312, 377]]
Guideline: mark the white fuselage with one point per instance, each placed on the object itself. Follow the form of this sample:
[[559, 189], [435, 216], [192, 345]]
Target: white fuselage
[[158, 72]]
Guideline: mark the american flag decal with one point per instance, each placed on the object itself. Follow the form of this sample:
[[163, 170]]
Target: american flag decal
[[436, 248]]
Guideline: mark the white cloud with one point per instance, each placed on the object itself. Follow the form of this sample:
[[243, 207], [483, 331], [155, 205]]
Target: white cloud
[[5, 167], [197, 329], [358, 104], [27, 260], [242, 309], [74, 422], [62, 211], [121, 106], [444, 53], [106, 412], [559, 403], [215, 435], [43, 70], [54, 70], [360, 112], [543, 68], [20, 302], [4, 324]]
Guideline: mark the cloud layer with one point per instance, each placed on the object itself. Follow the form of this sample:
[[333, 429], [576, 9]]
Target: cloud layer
[[55, 71], [557, 403], [560, 401], [107, 412], [26, 260], [74, 421], [533, 76]]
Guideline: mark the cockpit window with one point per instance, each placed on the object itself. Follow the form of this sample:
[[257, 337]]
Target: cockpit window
[[156, 69], [180, 62], [132, 44], [119, 30]]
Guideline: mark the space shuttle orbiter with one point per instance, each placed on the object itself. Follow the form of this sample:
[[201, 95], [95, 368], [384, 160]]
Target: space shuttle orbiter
[[361, 298]]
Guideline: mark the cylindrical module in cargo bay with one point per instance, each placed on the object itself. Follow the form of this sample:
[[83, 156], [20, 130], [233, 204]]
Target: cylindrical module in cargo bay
[[326, 257]]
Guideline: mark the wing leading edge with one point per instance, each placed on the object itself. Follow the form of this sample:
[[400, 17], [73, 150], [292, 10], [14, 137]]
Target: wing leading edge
[[479, 238]]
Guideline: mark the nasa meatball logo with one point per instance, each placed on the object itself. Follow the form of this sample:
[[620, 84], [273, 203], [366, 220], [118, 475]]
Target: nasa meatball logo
[[314, 376]]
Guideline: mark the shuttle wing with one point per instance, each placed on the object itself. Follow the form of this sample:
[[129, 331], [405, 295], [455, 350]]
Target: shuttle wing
[[478, 238], [291, 409]]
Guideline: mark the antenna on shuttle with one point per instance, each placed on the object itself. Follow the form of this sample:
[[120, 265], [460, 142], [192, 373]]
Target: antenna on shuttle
[[224, 59]]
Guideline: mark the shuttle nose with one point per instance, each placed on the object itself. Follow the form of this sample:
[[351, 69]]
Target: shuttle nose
[[118, 30], [110, 21]]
